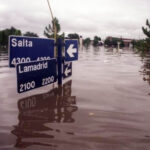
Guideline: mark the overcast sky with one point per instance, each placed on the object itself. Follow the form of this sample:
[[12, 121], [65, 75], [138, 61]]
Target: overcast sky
[[85, 17]]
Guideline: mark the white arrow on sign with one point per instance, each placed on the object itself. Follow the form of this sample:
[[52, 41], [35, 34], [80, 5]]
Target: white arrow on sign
[[71, 50], [67, 71]]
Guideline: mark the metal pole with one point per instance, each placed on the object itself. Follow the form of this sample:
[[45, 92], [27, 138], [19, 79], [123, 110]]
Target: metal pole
[[54, 23], [59, 61]]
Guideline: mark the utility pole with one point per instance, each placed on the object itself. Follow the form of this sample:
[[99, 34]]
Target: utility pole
[[59, 48], [54, 23]]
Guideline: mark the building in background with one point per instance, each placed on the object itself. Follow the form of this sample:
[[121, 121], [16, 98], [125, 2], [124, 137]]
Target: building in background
[[109, 41]]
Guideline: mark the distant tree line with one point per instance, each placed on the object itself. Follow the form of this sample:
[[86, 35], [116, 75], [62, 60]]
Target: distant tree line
[[4, 35], [49, 32], [31, 34], [113, 42], [55, 25], [87, 42], [141, 45]]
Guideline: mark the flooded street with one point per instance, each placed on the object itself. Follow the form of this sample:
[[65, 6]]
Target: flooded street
[[105, 105]]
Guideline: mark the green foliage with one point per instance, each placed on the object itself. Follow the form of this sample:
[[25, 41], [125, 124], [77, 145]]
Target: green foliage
[[108, 42], [4, 34], [114, 42], [121, 43], [73, 36], [133, 42], [146, 31], [31, 34], [49, 30], [58, 28], [86, 42], [144, 45], [62, 36], [96, 40]]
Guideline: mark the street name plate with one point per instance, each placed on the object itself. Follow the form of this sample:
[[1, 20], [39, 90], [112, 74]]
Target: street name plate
[[27, 49], [35, 74]]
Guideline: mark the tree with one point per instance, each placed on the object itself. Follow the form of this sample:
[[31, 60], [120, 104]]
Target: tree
[[133, 42], [113, 41], [86, 42], [108, 42], [73, 36], [141, 45], [62, 36], [49, 30], [144, 44], [1, 37], [146, 31], [4, 34], [121, 43], [96, 40], [31, 34]]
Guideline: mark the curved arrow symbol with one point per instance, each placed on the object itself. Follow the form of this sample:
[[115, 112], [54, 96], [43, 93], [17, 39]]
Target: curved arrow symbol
[[71, 50]]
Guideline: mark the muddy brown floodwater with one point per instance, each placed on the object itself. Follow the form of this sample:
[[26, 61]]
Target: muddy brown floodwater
[[105, 105]]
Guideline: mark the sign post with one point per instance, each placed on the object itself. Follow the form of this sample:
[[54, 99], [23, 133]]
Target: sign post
[[59, 61]]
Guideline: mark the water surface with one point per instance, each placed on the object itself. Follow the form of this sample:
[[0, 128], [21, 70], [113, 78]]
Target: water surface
[[103, 106]]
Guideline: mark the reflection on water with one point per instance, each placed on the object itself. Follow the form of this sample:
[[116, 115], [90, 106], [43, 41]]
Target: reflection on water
[[3, 54], [3, 57], [145, 69], [56, 106]]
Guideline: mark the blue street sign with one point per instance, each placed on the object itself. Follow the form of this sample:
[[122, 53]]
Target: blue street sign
[[27, 49], [71, 50], [67, 69], [35, 74]]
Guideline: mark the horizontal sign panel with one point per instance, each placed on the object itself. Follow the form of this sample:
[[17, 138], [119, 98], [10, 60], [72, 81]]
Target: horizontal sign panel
[[27, 49], [35, 74]]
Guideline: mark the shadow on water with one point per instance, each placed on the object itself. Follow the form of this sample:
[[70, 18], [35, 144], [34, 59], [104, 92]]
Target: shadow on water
[[56, 106], [96, 51]]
